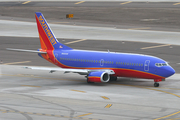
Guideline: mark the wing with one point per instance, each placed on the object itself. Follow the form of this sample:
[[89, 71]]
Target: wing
[[79, 71]]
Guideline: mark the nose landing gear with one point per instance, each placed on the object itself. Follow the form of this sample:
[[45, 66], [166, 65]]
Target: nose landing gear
[[156, 84]]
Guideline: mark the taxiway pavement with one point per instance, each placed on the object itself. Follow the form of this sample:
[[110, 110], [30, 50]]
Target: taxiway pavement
[[32, 94]]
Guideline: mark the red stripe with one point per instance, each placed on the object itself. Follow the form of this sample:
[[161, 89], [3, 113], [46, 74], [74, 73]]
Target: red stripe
[[94, 79]]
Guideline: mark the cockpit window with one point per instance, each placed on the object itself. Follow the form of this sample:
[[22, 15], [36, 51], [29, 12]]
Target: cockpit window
[[161, 64]]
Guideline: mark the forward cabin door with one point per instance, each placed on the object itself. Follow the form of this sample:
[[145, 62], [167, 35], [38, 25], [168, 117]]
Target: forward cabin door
[[146, 65]]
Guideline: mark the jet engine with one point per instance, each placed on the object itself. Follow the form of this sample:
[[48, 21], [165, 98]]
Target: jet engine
[[98, 76]]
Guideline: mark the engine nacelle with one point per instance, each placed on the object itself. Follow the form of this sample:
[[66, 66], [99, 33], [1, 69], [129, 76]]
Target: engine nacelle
[[98, 76]]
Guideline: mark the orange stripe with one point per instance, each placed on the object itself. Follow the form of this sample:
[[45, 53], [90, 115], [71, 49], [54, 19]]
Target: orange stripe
[[43, 46]]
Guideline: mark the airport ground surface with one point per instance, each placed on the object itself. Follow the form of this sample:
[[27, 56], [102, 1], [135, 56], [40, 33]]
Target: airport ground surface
[[35, 95]]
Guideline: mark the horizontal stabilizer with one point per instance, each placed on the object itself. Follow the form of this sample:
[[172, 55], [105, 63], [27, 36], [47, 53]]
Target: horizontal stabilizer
[[23, 50]]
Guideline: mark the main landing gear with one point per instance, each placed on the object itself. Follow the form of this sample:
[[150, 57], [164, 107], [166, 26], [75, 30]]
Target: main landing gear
[[156, 84]]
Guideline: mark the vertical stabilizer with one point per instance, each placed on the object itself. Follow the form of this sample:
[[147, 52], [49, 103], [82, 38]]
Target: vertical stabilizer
[[47, 38]]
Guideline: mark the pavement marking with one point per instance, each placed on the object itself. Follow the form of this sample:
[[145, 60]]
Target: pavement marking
[[75, 41], [125, 3], [4, 112], [79, 2], [30, 86], [16, 63], [39, 77], [26, 2], [158, 91], [84, 114], [173, 119], [167, 116], [51, 115], [150, 88], [106, 98], [108, 106], [145, 28], [170, 88], [155, 46], [78, 91], [176, 3], [164, 92]]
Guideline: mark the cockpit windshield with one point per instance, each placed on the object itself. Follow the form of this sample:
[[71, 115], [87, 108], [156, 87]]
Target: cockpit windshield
[[161, 64]]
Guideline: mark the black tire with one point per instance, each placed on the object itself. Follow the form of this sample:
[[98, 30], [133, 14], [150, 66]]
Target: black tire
[[156, 84]]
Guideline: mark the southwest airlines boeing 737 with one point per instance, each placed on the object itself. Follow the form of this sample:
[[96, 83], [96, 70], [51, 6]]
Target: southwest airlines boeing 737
[[97, 66]]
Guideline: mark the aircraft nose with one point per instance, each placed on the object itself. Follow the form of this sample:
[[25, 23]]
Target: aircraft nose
[[171, 71]]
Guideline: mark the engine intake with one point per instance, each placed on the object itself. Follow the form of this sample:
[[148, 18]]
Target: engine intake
[[98, 76]]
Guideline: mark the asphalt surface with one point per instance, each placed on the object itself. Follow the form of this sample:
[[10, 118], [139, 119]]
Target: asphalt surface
[[156, 15], [34, 95]]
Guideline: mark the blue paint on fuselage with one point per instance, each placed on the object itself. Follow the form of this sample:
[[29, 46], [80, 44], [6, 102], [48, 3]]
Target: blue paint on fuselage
[[94, 59]]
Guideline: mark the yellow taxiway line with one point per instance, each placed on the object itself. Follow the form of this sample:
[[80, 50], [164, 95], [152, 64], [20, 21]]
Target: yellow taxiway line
[[79, 91], [79, 2], [125, 2], [84, 115], [156, 46], [76, 41], [26, 2], [108, 106], [16, 63], [168, 116], [176, 3], [106, 98]]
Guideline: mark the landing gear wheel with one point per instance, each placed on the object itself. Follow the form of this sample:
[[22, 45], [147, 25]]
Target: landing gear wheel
[[156, 84], [113, 78]]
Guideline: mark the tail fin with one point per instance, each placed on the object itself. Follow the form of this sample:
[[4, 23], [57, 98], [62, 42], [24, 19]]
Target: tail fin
[[47, 38]]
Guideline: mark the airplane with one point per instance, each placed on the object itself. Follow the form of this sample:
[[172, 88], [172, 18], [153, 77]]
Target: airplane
[[96, 66]]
